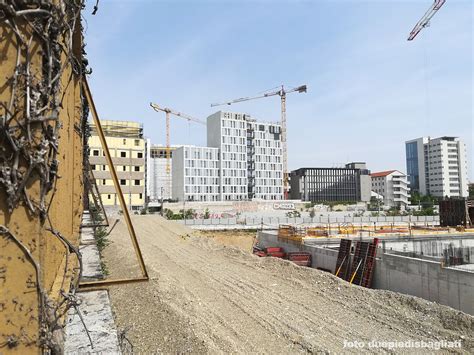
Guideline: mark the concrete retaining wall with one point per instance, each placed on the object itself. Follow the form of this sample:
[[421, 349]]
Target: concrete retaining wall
[[411, 276], [426, 279]]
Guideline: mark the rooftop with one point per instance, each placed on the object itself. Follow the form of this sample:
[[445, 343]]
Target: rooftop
[[382, 173]]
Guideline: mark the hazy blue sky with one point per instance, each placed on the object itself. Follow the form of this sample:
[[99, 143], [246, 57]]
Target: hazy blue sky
[[369, 90]]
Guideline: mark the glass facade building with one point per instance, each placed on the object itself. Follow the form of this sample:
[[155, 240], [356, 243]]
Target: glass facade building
[[412, 165], [329, 184]]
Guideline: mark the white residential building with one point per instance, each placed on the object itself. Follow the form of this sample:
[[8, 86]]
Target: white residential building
[[159, 179], [243, 161], [264, 160], [195, 174], [227, 131], [437, 167], [392, 185], [250, 156]]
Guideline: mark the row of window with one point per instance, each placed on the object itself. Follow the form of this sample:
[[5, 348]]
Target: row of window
[[123, 182], [202, 164], [201, 172], [136, 168], [110, 196], [136, 142], [121, 154]]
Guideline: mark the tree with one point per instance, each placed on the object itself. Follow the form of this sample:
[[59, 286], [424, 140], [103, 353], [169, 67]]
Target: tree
[[425, 201], [207, 214]]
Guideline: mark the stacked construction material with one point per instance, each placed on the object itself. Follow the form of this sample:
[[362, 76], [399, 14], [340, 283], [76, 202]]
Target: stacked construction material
[[300, 258], [362, 265], [456, 212]]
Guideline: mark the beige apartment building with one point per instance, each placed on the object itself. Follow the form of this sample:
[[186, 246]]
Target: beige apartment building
[[128, 149]]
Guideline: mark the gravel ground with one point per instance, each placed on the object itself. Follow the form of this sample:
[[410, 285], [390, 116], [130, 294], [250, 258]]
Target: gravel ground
[[206, 297]]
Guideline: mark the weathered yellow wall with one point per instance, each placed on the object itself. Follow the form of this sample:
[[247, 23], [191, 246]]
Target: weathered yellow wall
[[19, 302]]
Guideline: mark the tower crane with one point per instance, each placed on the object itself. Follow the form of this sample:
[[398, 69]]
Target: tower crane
[[168, 113], [282, 93], [425, 20]]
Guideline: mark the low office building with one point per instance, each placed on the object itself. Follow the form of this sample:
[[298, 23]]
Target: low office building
[[159, 178], [437, 166], [196, 174], [392, 185], [349, 184], [127, 148]]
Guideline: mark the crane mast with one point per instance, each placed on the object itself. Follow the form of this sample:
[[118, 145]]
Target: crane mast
[[282, 93], [168, 112]]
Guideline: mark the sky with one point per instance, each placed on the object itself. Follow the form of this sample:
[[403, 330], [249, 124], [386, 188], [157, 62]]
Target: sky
[[369, 89]]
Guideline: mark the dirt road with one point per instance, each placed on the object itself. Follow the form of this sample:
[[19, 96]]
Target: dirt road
[[204, 297]]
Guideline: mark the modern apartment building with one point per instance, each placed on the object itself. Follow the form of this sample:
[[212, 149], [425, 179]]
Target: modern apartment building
[[392, 185], [264, 160], [127, 147], [159, 179], [250, 156], [196, 174], [437, 167], [227, 131], [349, 184]]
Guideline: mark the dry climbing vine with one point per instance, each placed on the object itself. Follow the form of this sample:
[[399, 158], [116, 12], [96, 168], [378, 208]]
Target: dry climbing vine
[[43, 33]]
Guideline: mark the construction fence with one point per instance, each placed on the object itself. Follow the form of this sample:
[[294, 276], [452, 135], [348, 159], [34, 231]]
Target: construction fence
[[276, 221]]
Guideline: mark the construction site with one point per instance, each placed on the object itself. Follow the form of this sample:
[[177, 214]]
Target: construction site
[[225, 265]]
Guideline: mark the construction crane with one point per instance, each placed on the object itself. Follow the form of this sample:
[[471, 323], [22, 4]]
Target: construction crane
[[282, 93], [425, 20], [168, 113]]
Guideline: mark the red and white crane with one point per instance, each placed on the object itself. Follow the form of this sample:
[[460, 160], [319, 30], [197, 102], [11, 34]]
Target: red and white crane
[[282, 93], [425, 20]]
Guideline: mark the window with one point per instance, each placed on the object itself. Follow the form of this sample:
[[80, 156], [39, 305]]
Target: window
[[137, 182], [137, 142], [95, 153], [137, 168], [140, 196], [140, 155], [109, 197], [103, 181], [123, 154], [124, 141], [124, 168], [123, 182], [93, 167], [103, 167]]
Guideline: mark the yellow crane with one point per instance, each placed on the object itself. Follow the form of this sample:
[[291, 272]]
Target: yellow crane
[[282, 93], [168, 113]]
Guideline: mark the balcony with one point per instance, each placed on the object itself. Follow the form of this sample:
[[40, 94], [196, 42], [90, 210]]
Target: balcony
[[401, 193]]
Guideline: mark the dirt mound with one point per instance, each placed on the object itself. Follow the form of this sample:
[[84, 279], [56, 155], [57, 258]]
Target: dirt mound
[[205, 297]]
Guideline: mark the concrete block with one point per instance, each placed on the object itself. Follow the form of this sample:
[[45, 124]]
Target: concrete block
[[91, 262], [97, 314]]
